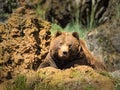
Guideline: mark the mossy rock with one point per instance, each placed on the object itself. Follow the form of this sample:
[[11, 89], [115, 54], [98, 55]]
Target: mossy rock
[[79, 78]]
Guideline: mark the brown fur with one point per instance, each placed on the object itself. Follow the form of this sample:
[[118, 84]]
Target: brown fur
[[67, 50]]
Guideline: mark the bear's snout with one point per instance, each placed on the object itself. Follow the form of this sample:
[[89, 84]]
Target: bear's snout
[[63, 52]]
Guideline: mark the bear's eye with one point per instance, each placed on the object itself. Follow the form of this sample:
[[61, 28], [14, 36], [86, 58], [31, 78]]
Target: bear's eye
[[60, 43]]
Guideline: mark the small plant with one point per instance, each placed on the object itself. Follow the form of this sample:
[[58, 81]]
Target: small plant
[[76, 27], [117, 86], [91, 23], [20, 84], [117, 8], [0, 68], [48, 86], [40, 11], [74, 73], [104, 73], [116, 82], [55, 27], [89, 87], [42, 86]]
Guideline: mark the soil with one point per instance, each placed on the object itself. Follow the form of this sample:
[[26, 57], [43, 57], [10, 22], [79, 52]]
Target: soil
[[24, 43]]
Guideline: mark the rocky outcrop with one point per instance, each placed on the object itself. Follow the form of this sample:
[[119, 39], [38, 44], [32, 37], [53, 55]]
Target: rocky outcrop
[[104, 41], [79, 78]]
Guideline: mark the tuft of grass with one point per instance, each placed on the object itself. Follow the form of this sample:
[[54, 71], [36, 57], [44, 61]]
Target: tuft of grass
[[91, 20], [104, 73], [89, 87], [71, 27], [0, 68], [48, 86], [20, 83], [76, 27], [55, 27], [40, 12], [117, 85], [74, 73], [117, 8], [75, 24]]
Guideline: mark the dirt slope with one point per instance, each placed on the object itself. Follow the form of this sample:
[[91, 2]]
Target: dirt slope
[[24, 42]]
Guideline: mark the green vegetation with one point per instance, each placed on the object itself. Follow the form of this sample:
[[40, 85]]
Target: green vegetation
[[89, 87], [76, 27], [104, 73], [71, 27], [92, 23], [0, 67], [117, 84], [47, 86], [43, 81], [115, 80], [4, 14], [117, 8], [40, 12], [55, 27], [75, 24], [74, 73], [20, 83]]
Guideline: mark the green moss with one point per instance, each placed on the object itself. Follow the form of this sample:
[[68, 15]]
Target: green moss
[[42, 75], [117, 9], [74, 73], [89, 87], [40, 12], [104, 73], [117, 84], [48, 86], [0, 68], [20, 82]]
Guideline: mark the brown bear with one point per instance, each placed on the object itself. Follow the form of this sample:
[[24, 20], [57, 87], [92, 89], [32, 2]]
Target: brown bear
[[67, 50]]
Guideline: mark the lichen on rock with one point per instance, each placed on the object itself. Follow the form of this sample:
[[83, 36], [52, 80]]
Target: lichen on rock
[[78, 78]]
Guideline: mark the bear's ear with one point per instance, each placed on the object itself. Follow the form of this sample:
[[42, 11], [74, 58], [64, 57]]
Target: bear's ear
[[76, 35], [58, 33]]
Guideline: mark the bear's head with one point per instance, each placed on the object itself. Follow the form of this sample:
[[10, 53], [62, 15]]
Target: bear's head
[[64, 46]]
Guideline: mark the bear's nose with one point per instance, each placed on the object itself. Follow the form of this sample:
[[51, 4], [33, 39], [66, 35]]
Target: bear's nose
[[65, 53]]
